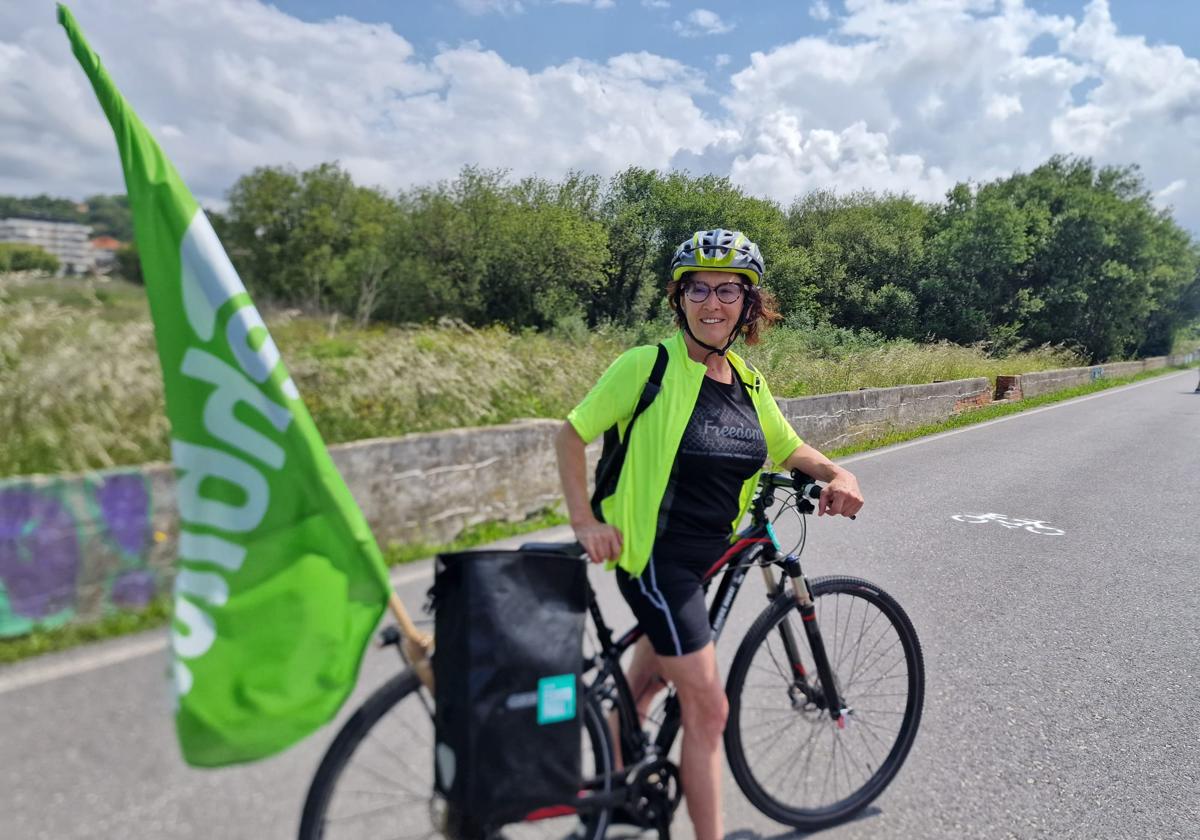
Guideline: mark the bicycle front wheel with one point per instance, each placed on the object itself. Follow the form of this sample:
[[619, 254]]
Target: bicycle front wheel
[[376, 779], [790, 758]]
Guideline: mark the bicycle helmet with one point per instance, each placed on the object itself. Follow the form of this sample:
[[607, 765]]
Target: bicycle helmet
[[718, 250]]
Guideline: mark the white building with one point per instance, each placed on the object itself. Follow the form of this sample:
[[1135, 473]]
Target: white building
[[66, 240]]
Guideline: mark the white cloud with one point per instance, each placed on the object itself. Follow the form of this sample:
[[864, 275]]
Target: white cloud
[[788, 161], [820, 10], [1002, 106], [516, 7], [1174, 188], [242, 85], [656, 4], [702, 22], [483, 7], [596, 4], [722, 60], [897, 96], [919, 94]]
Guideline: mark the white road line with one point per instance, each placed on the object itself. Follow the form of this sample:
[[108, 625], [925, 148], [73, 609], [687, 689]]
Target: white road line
[[25, 677], [83, 661]]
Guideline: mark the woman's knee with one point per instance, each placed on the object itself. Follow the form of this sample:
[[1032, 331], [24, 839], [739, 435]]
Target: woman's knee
[[705, 711]]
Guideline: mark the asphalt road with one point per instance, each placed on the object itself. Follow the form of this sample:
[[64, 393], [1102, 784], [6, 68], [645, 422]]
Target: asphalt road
[[1063, 671]]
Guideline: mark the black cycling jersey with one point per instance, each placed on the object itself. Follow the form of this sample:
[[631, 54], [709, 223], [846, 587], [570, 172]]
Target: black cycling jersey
[[722, 446]]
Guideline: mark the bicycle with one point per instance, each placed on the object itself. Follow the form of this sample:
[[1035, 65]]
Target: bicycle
[[834, 661]]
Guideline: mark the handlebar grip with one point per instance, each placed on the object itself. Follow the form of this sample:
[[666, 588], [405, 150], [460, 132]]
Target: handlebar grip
[[807, 485]]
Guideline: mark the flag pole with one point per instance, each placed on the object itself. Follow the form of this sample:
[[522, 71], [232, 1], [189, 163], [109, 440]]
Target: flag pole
[[415, 645]]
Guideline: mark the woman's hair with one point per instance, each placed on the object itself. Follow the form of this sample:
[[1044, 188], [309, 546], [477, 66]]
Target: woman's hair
[[760, 311]]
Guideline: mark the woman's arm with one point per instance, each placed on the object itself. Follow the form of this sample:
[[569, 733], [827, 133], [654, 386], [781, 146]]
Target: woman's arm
[[602, 542], [841, 494]]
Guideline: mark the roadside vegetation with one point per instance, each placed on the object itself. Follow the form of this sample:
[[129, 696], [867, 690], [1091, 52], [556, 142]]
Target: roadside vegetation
[[80, 385], [157, 614], [485, 299]]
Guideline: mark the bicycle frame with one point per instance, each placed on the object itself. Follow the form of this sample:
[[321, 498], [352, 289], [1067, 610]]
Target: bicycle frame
[[757, 545]]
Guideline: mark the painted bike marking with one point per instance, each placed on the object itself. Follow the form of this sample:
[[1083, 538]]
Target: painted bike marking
[[1033, 526]]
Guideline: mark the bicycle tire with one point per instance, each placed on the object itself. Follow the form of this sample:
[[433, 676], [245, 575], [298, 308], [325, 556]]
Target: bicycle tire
[[752, 773], [427, 819]]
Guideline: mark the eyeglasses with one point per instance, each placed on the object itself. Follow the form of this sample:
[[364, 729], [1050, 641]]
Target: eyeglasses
[[726, 292]]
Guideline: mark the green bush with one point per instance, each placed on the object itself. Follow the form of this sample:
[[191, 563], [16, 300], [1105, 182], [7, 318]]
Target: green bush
[[14, 257], [81, 388]]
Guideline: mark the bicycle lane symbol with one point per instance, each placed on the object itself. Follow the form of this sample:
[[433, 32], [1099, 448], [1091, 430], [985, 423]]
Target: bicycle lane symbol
[[1033, 526]]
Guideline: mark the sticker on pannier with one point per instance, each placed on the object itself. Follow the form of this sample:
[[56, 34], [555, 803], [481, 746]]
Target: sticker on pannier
[[556, 699]]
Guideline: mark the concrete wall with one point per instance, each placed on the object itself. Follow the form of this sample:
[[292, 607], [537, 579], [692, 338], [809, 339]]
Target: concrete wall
[[76, 547], [830, 421], [428, 487], [1049, 381]]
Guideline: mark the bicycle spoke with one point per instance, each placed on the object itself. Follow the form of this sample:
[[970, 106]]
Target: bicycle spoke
[[777, 737], [817, 780], [825, 783], [871, 666], [861, 631], [381, 809], [872, 727], [867, 745], [780, 740], [888, 673], [869, 651]]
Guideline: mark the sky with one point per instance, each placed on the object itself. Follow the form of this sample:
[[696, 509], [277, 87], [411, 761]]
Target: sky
[[782, 97]]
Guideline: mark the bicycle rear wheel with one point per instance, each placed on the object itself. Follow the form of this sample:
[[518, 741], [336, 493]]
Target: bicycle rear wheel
[[791, 760], [376, 779]]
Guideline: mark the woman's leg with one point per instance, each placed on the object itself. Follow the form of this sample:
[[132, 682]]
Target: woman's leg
[[704, 709], [644, 683]]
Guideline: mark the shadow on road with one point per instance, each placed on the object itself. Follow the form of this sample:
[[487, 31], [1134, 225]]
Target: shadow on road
[[749, 834]]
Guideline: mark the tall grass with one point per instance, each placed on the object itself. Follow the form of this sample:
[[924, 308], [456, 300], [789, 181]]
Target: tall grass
[[80, 385]]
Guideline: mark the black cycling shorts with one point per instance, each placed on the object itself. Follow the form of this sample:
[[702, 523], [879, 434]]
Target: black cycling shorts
[[668, 600]]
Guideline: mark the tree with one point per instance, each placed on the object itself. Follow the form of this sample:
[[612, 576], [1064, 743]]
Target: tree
[[129, 265], [866, 258], [15, 257]]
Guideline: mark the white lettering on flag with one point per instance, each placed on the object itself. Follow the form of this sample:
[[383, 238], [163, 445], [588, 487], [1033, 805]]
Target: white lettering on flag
[[197, 463], [258, 363], [234, 388], [209, 278], [207, 548]]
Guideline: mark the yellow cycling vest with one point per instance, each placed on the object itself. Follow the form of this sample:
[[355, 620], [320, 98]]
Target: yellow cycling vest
[[634, 507]]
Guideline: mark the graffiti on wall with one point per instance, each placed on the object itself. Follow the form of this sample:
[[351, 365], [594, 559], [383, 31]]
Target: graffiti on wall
[[76, 547]]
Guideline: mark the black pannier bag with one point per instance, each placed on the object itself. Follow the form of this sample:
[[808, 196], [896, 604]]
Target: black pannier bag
[[507, 664]]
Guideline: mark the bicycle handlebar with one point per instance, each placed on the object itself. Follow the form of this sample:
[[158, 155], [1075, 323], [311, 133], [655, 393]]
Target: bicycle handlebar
[[801, 483]]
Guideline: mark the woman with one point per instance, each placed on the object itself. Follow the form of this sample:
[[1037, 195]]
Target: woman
[[689, 474]]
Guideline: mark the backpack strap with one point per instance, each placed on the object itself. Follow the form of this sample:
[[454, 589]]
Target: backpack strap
[[756, 379], [652, 387], [612, 458]]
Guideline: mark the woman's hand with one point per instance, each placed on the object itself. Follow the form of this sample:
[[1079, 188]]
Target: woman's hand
[[840, 496], [602, 542]]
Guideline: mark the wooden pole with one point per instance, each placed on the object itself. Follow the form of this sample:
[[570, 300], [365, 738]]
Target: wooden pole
[[417, 646]]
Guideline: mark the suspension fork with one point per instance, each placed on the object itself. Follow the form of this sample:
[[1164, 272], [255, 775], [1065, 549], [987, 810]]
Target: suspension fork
[[808, 616]]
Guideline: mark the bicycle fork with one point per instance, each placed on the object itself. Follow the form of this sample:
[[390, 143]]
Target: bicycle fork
[[808, 615]]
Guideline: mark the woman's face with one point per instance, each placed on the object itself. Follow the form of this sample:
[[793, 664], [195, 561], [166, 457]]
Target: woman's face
[[711, 320]]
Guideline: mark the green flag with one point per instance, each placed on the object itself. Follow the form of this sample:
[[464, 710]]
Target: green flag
[[280, 582]]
